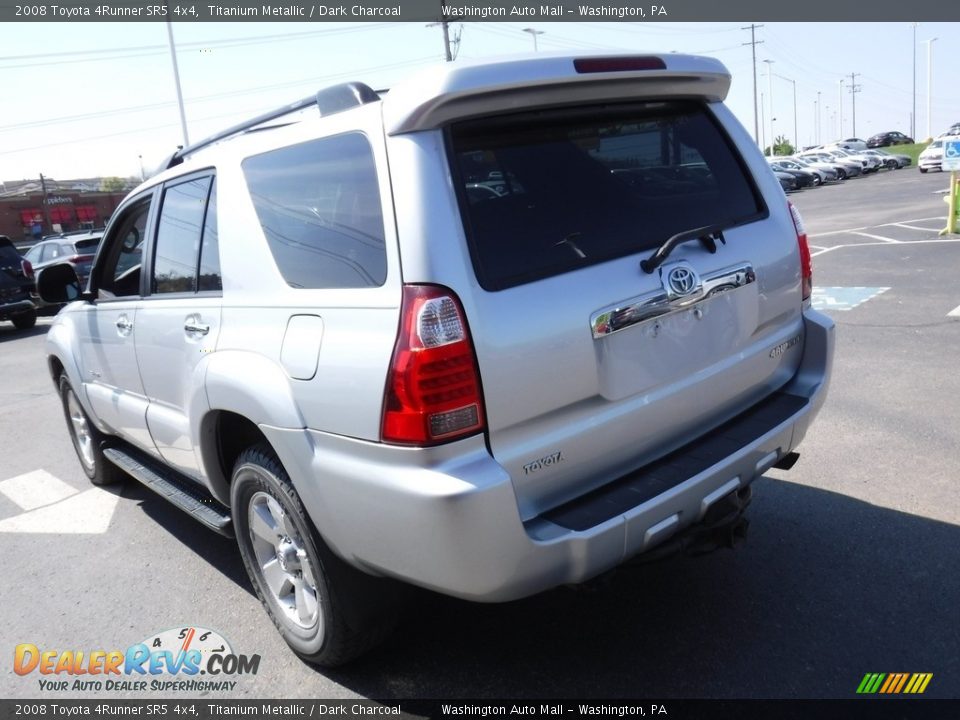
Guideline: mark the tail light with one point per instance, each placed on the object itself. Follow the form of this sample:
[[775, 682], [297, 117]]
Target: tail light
[[806, 264], [27, 268], [433, 387]]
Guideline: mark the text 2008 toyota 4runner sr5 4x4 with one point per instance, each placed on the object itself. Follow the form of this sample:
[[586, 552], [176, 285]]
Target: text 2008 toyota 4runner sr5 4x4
[[497, 330]]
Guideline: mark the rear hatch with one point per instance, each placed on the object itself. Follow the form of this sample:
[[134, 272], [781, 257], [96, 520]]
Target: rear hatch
[[12, 268], [592, 366]]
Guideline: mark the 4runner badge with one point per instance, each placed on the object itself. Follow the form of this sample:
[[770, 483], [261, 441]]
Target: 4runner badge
[[784, 346]]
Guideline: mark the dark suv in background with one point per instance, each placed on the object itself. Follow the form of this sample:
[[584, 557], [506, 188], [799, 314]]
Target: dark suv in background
[[16, 287], [889, 138], [77, 249]]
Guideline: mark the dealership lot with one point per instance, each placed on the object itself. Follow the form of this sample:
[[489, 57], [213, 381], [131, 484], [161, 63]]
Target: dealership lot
[[850, 566]]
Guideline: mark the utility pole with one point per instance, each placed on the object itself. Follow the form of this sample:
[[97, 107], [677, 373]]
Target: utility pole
[[46, 202], [770, 101], [753, 50], [444, 24], [796, 138], [854, 89]]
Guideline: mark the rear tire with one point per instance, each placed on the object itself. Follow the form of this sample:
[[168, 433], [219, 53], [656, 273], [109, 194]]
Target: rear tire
[[86, 439], [923, 170], [24, 321], [327, 611]]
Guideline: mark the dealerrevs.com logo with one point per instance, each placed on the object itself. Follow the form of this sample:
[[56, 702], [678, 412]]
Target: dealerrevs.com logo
[[188, 659]]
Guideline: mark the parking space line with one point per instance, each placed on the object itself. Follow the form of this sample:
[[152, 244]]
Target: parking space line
[[836, 232], [86, 513], [36, 489], [939, 217], [876, 237], [955, 312], [915, 227]]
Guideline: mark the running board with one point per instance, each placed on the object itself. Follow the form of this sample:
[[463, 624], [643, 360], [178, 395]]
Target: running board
[[193, 501]]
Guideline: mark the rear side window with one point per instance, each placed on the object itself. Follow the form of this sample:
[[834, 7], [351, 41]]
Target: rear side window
[[319, 206], [179, 235], [549, 192]]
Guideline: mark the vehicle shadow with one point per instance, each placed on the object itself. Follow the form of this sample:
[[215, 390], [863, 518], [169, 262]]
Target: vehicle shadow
[[9, 332], [219, 551], [826, 589]]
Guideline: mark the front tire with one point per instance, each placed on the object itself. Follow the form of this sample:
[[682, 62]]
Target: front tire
[[24, 321], [87, 440], [327, 611]]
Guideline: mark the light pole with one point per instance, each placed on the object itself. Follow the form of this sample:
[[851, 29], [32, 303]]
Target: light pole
[[840, 112], [176, 80], [534, 34], [913, 114], [929, 85], [818, 118]]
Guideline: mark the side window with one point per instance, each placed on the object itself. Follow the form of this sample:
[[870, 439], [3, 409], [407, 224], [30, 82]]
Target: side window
[[178, 237], [209, 278], [33, 254], [120, 274], [319, 206], [51, 251]]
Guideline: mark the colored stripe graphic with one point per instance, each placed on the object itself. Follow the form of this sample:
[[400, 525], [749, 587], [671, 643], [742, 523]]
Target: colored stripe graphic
[[894, 683]]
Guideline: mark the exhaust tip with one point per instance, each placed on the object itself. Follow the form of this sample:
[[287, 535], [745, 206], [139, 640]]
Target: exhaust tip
[[787, 461]]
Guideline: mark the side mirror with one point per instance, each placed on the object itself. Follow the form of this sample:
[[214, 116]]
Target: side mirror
[[57, 284]]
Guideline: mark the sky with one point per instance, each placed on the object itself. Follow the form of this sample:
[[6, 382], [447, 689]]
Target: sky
[[99, 99]]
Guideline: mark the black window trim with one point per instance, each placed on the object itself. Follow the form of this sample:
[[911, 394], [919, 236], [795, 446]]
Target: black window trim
[[149, 195], [146, 278], [463, 203]]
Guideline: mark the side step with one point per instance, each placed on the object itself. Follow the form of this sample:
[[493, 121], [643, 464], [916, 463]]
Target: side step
[[192, 500]]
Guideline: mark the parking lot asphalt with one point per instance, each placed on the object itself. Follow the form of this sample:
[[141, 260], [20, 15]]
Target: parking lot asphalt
[[850, 566]]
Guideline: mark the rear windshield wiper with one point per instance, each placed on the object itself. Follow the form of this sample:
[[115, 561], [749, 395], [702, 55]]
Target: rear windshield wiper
[[708, 235]]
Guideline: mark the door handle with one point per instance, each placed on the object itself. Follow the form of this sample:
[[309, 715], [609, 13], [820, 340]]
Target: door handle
[[195, 327], [124, 326]]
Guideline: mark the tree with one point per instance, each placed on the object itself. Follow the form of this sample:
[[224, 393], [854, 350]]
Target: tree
[[113, 184], [781, 146]]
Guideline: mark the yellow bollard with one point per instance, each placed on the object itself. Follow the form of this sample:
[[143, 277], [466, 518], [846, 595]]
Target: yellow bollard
[[953, 201]]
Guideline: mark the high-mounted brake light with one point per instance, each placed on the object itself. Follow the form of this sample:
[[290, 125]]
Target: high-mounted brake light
[[618, 64], [806, 264], [433, 386], [27, 268]]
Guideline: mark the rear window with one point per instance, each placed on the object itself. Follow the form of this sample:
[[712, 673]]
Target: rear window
[[319, 206], [550, 192], [87, 247]]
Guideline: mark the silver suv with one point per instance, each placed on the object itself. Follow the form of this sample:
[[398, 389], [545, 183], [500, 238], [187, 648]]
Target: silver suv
[[498, 330]]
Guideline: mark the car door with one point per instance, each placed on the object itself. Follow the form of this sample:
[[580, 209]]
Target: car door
[[179, 321], [108, 330]]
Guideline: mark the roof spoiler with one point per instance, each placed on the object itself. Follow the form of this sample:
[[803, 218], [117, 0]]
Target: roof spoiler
[[329, 101]]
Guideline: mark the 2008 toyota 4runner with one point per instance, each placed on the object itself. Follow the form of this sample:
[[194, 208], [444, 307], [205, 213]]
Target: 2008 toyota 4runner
[[501, 329]]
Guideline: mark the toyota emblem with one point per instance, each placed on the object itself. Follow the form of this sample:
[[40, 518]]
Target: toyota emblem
[[682, 280]]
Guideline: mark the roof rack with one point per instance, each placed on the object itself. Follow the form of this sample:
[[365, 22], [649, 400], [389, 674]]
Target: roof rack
[[333, 99]]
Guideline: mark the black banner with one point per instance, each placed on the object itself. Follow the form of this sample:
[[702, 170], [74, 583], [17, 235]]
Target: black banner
[[473, 11]]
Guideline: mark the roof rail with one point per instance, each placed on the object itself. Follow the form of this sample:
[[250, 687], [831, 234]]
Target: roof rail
[[333, 99]]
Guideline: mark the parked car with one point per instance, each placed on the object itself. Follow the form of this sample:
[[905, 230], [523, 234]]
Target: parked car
[[931, 157], [804, 178], [849, 144], [318, 344], [868, 163], [848, 167], [889, 138], [16, 287], [894, 161], [829, 172], [788, 182], [78, 249]]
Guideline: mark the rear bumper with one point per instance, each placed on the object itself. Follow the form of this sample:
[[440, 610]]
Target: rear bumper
[[447, 519]]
